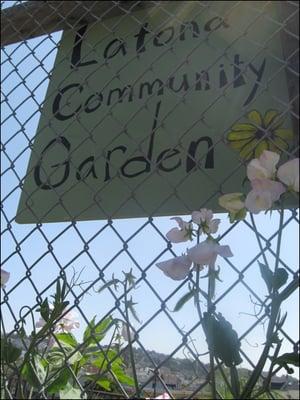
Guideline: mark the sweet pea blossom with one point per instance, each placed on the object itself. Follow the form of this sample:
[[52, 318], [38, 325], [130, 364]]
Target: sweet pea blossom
[[176, 268], [263, 167], [232, 202], [66, 324], [4, 277], [288, 173], [162, 396], [183, 234], [264, 192], [205, 253], [204, 218]]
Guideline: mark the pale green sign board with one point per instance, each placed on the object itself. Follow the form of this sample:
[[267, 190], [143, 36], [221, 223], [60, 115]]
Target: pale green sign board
[[138, 108]]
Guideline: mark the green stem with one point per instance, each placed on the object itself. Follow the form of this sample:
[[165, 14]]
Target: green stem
[[130, 344], [211, 350], [235, 382], [275, 307], [197, 299]]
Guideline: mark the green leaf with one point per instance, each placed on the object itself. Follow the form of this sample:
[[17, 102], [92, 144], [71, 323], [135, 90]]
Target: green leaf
[[9, 352], [70, 393], [280, 278], [222, 339], [34, 372], [56, 357], [67, 338], [267, 275], [120, 374], [45, 310], [288, 358], [94, 333], [59, 381], [105, 383], [113, 282], [184, 299]]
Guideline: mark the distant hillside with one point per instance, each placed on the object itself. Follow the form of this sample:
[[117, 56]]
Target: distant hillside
[[188, 368]]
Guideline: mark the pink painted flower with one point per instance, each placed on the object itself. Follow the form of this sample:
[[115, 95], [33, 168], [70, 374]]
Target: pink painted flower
[[204, 218], [183, 234], [176, 268], [4, 277], [263, 194], [263, 167], [205, 253], [288, 173]]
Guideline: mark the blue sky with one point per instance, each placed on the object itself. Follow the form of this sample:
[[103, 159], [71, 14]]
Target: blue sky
[[104, 243]]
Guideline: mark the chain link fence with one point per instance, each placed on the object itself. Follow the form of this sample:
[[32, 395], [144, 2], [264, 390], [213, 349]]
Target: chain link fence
[[90, 84]]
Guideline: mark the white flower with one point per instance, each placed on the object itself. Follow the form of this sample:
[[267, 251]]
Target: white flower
[[65, 324], [232, 202], [68, 322], [183, 234], [205, 253], [176, 268], [263, 167], [4, 277], [204, 218], [264, 192], [288, 173]]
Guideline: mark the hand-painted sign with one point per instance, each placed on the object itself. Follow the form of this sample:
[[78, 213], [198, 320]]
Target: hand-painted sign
[[139, 106]]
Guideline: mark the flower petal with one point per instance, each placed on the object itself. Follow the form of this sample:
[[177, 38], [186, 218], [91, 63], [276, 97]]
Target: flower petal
[[255, 116], [243, 127], [280, 143], [255, 202], [288, 173], [232, 202], [203, 253], [247, 151], [260, 148], [176, 235], [269, 160], [214, 225], [285, 134], [176, 268], [179, 221], [270, 117], [4, 277], [225, 251], [240, 135]]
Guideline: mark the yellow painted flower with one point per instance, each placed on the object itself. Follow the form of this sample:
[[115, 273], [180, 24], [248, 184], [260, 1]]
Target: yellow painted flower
[[261, 133]]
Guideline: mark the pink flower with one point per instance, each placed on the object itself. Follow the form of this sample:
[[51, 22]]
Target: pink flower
[[162, 396], [204, 218], [263, 167], [205, 253], [288, 173], [66, 324], [183, 234], [4, 277], [264, 192], [176, 268]]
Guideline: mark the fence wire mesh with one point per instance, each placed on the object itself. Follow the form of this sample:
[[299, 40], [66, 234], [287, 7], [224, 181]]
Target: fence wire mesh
[[88, 255]]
